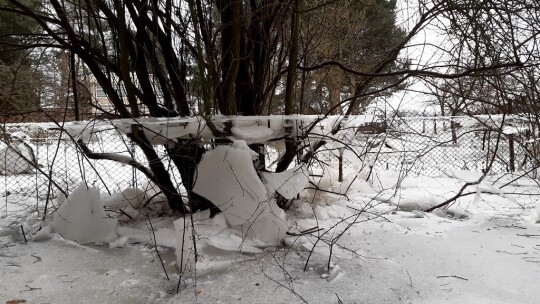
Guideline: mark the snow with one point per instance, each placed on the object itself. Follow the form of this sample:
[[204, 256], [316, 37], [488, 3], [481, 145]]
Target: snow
[[367, 240], [388, 256]]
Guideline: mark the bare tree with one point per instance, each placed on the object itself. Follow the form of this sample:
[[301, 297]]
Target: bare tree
[[198, 57]]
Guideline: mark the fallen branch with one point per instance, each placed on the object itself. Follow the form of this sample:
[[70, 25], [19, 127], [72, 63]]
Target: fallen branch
[[38, 259], [24, 234], [512, 253], [458, 195], [452, 276], [410, 279], [339, 300], [305, 232], [30, 288], [153, 238]]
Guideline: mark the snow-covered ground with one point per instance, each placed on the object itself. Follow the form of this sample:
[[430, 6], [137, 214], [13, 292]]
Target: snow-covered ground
[[484, 249]]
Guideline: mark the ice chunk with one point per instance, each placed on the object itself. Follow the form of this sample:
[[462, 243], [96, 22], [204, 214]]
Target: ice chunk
[[242, 145], [160, 236], [216, 244], [128, 197], [42, 233], [270, 228], [287, 183], [16, 159], [227, 178], [82, 130], [82, 217], [334, 273], [232, 243]]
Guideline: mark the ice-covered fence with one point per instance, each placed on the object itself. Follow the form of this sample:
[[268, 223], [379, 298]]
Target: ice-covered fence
[[417, 145], [57, 156]]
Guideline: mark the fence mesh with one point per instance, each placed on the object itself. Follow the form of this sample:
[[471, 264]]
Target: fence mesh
[[417, 146], [443, 145]]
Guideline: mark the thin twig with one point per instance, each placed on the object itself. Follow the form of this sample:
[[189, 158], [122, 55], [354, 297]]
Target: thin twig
[[305, 232], [30, 288], [338, 299], [24, 234], [410, 279], [155, 247]]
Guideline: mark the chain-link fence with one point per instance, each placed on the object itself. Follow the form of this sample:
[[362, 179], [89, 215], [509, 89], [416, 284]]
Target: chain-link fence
[[420, 146], [57, 159], [443, 145]]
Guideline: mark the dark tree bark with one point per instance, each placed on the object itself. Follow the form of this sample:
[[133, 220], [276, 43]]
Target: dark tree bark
[[291, 145]]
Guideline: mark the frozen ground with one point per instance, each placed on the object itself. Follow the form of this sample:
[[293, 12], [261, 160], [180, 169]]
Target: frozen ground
[[486, 249]]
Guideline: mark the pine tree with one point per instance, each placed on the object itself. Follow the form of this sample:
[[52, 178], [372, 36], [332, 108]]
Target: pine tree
[[356, 34], [19, 78]]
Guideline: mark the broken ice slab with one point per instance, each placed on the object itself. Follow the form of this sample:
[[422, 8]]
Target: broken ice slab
[[82, 218]]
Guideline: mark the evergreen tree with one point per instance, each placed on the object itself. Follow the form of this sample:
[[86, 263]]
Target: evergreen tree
[[356, 34], [20, 79]]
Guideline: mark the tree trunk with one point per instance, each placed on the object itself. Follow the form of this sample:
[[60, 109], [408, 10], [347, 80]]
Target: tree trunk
[[186, 154], [74, 75], [290, 145], [334, 94], [162, 176], [230, 11]]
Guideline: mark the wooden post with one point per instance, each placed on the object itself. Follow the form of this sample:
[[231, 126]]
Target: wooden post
[[424, 122], [340, 167], [453, 130], [511, 152]]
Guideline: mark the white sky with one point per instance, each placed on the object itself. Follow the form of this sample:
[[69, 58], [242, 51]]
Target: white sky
[[423, 51]]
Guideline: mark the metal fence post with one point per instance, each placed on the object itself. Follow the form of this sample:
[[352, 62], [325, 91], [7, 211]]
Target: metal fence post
[[511, 152]]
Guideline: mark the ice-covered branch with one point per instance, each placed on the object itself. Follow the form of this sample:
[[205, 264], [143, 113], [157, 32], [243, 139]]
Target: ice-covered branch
[[128, 160]]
